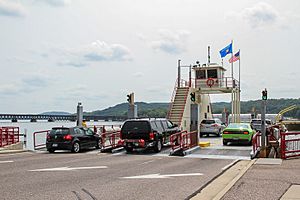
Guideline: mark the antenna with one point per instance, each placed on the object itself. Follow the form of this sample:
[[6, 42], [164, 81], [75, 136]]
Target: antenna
[[208, 55]]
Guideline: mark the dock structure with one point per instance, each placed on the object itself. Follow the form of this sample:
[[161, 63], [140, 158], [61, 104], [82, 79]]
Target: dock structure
[[190, 102]]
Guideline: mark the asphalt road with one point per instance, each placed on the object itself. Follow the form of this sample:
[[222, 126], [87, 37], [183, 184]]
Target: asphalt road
[[93, 175]]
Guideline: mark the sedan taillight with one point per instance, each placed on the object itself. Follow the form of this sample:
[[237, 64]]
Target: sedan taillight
[[68, 137]]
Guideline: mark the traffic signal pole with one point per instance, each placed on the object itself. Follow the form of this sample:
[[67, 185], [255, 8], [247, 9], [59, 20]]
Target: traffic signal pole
[[263, 152]]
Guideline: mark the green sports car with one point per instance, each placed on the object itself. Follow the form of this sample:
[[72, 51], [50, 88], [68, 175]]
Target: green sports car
[[238, 132]]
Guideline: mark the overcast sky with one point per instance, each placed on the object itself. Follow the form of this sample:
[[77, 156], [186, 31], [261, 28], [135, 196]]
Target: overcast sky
[[55, 53]]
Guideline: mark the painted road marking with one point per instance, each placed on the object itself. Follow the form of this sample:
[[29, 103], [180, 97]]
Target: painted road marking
[[66, 169], [230, 157], [150, 161], [6, 161], [151, 176]]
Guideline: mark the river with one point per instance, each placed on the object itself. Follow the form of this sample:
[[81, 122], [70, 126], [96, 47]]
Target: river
[[29, 128]]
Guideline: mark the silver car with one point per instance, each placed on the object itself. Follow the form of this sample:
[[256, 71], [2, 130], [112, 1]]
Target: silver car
[[211, 126]]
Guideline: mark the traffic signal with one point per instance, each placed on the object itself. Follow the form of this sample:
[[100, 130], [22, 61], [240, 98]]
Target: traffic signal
[[193, 97], [130, 98], [264, 94]]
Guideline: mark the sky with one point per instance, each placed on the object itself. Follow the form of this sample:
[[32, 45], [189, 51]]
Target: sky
[[56, 53]]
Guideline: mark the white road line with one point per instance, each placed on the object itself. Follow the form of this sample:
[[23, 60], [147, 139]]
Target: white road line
[[66, 168], [218, 157], [153, 176], [6, 161], [230, 164], [147, 162]]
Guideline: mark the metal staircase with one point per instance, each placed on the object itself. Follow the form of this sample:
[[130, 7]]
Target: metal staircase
[[178, 104]]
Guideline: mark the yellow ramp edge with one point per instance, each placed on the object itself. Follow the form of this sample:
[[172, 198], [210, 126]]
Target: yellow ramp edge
[[204, 144]]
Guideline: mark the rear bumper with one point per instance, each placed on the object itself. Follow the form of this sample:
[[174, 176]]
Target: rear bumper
[[59, 145], [138, 143], [236, 138]]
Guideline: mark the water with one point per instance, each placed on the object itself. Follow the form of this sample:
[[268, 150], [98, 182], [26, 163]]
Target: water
[[30, 127]]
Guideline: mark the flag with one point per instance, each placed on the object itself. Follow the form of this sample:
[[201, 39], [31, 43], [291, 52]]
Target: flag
[[226, 50], [235, 57]]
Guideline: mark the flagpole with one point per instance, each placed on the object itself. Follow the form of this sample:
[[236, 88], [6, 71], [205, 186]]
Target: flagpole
[[239, 99], [232, 102]]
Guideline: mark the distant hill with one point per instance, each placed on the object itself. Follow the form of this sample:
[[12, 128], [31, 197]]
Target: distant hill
[[161, 109], [144, 110], [56, 113]]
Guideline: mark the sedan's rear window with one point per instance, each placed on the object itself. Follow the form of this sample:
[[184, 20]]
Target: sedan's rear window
[[136, 126], [62, 131], [208, 121], [238, 126]]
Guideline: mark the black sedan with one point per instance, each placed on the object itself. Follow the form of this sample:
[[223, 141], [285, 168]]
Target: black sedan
[[74, 139]]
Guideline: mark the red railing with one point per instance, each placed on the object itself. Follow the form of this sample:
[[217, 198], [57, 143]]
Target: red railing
[[105, 128], [290, 144], [9, 135], [256, 143], [183, 140], [42, 141], [110, 140]]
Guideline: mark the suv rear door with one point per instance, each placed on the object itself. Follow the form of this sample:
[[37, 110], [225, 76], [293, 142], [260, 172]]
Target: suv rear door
[[137, 129]]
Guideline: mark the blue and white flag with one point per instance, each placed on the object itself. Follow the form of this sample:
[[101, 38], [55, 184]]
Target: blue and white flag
[[226, 50]]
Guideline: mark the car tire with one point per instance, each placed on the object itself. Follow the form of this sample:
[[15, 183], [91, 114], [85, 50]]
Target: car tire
[[76, 147], [128, 149], [158, 146], [99, 144], [225, 142], [51, 150]]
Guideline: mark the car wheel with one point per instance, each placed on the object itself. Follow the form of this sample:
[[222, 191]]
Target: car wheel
[[99, 144], [158, 146], [76, 147], [51, 150], [128, 149], [224, 142]]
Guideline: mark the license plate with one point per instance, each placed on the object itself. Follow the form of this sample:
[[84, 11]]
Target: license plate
[[235, 138], [54, 145]]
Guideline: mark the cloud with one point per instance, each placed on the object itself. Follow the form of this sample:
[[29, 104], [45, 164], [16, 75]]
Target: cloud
[[56, 3], [101, 51], [9, 89], [171, 42], [10, 9], [259, 15], [98, 51], [138, 74]]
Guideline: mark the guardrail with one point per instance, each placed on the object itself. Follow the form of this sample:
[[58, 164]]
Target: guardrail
[[110, 140], [290, 144], [105, 128], [9, 135], [183, 141], [42, 142], [256, 143]]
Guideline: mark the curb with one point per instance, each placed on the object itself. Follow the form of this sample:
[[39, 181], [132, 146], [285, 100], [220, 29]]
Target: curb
[[222, 183], [12, 151]]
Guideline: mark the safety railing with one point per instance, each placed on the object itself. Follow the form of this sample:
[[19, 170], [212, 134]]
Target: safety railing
[[256, 143], [225, 82], [110, 140], [9, 135], [39, 139], [290, 144], [183, 140], [105, 128]]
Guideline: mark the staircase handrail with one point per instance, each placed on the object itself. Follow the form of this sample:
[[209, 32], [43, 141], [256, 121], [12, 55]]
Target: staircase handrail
[[172, 99]]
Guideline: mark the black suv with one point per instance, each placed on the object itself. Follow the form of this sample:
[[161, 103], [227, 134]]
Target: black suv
[[74, 139], [147, 133]]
